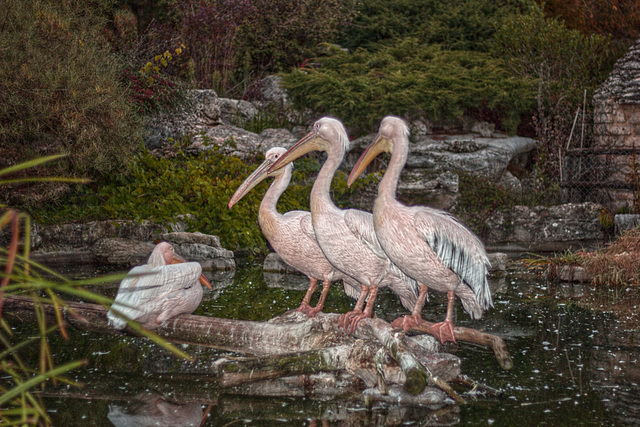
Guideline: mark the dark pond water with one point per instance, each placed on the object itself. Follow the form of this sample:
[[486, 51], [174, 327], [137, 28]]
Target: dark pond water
[[571, 366]]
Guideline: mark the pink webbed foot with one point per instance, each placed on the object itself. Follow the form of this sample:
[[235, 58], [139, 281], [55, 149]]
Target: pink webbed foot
[[347, 318], [304, 308], [313, 311], [356, 319], [407, 322], [443, 331]]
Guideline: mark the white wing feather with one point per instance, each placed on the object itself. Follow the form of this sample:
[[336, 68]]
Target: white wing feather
[[147, 290], [361, 225], [307, 226], [458, 249]]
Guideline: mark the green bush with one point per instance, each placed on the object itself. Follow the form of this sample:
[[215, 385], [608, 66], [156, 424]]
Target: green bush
[[409, 80], [233, 43], [60, 90], [159, 189], [565, 63], [459, 25]]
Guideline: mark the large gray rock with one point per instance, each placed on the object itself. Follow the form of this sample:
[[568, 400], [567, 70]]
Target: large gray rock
[[554, 228], [625, 222], [203, 248], [272, 91], [123, 243], [234, 141], [421, 187], [122, 251], [468, 153], [84, 235]]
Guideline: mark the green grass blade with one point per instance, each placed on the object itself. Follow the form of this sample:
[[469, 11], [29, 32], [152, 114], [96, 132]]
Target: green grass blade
[[30, 164], [25, 386]]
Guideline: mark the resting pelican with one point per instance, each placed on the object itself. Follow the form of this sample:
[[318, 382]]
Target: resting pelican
[[427, 244], [164, 287], [347, 237], [291, 235]]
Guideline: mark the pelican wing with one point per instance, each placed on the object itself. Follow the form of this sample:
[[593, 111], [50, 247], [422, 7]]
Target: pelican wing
[[458, 249], [307, 227], [146, 290], [361, 225]]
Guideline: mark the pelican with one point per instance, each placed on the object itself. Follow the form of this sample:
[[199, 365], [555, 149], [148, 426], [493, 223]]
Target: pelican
[[164, 287], [291, 234], [347, 237], [427, 244]]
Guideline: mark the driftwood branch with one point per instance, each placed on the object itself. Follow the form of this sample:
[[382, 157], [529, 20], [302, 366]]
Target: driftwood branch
[[476, 337], [288, 345]]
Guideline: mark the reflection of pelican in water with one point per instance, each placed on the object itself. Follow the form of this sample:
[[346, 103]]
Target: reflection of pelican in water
[[346, 236], [291, 234], [165, 287], [427, 244], [152, 409]]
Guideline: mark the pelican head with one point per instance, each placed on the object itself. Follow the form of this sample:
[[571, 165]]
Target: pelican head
[[391, 128], [327, 132], [259, 174], [164, 254]]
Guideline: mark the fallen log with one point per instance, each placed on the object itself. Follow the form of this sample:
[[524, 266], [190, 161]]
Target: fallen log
[[317, 339]]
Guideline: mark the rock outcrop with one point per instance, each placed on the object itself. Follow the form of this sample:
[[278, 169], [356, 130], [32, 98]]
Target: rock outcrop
[[123, 243], [554, 228]]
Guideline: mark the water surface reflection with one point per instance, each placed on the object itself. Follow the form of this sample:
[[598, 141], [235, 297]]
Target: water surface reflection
[[571, 366]]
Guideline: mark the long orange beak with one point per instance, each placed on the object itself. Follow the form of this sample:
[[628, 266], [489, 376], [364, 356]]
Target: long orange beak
[[252, 180], [177, 259], [311, 142], [377, 146]]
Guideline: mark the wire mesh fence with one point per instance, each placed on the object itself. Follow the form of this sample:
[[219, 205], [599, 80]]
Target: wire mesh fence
[[608, 176]]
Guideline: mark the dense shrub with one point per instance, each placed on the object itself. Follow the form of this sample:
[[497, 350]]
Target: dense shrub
[[60, 90], [235, 42], [408, 79], [160, 188], [564, 63], [459, 25], [618, 18]]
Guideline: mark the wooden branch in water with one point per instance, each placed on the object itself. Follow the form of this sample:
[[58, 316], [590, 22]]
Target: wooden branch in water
[[394, 342], [235, 371], [325, 344], [476, 337]]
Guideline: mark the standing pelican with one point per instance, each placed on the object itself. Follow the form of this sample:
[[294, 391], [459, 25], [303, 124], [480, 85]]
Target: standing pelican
[[347, 237], [291, 234], [164, 287], [427, 244]]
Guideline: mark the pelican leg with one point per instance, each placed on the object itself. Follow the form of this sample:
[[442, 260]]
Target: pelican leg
[[326, 285], [415, 318], [444, 330], [345, 319], [368, 310], [305, 307]]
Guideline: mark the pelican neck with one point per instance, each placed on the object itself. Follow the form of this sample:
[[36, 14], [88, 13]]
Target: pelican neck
[[389, 184], [321, 190], [269, 204]]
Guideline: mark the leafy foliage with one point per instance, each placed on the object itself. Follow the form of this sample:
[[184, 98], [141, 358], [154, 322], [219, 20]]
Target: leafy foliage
[[618, 18], [21, 276], [159, 189], [153, 90], [235, 42], [459, 25], [565, 64], [409, 80], [60, 90]]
